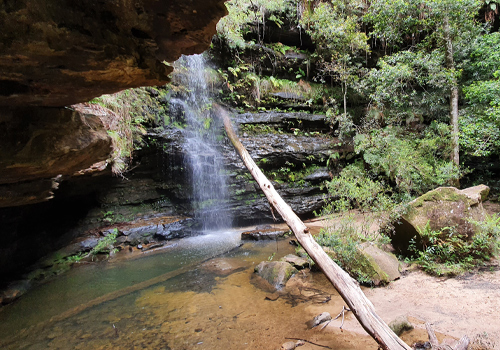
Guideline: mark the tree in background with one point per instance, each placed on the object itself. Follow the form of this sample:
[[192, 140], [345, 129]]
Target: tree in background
[[335, 29], [243, 14], [434, 26], [480, 119]]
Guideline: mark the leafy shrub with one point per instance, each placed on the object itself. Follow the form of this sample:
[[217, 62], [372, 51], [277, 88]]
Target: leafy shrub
[[125, 115], [413, 163], [105, 244], [343, 248], [354, 188], [445, 252]]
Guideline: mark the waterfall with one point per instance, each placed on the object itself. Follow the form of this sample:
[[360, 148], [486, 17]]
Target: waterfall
[[209, 195]]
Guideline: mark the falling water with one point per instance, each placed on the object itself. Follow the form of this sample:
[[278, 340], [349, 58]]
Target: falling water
[[209, 194]]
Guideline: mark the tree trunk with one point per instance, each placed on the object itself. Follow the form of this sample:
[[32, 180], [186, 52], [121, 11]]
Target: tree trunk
[[350, 291], [450, 64]]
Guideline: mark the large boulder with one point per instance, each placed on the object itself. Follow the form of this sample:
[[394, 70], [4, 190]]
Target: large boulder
[[370, 264], [444, 207], [384, 266]]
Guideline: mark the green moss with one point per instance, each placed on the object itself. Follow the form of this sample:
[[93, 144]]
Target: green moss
[[448, 194]]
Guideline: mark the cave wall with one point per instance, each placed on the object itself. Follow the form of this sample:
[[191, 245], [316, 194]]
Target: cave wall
[[53, 54], [57, 53]]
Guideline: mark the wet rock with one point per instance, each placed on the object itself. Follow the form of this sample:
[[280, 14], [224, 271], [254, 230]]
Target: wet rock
[[319, 319], [223, 266], [260, 235], [442, 207], [296, 261], [175, 229], [277, 273], [150, 231], [319, 175], [313, 122], [288, 95], [153, 246], [14, 291], [400, 324]]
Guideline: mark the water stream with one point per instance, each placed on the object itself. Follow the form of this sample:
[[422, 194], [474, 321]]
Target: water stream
[[175, 299], [201, 134]]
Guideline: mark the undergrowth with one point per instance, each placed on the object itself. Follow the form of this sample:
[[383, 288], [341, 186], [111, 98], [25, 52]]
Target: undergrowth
[[445, 252], [124, 117]]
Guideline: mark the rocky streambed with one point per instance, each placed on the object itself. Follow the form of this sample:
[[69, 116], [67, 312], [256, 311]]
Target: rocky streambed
[[190, 295]]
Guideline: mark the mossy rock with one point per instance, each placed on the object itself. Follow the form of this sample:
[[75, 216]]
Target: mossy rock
[[370, 265], [384, 266], [444, 207], [400, 325], [277, 273]]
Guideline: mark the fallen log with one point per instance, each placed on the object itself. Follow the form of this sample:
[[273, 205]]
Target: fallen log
[[350, 291]]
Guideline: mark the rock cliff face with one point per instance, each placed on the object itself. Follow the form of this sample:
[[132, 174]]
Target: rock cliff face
[[57, 53], [40, 146]]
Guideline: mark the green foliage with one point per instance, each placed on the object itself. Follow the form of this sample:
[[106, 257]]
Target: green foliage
[[105, 244], [126, 115], [335, 28], [422, 20], [480, 120], [353, 188], [446, 252], [245, 14], [343, 247], [413, 163], [408, 86]]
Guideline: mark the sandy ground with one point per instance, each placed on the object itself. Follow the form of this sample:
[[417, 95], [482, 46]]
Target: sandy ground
[[465, 305]]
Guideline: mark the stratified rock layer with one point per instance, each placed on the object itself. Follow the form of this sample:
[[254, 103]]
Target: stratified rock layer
[[41, 144], [57, 53]]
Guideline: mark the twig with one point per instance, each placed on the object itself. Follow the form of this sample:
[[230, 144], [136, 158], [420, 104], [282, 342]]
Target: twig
[[235, 317], [325, 324], [344, 309], [310, 342]]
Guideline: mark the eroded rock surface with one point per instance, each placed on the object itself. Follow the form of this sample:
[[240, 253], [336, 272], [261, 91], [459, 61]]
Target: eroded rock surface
[[40, 144], [277, 273], [444, 207], [57, 53]]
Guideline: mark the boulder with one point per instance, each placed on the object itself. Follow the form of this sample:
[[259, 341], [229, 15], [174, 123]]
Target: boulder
[[371, 265], [444, 207], [385, 266], [298, 262], [223, 266], [277, 273], [400, 324]]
